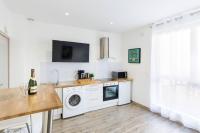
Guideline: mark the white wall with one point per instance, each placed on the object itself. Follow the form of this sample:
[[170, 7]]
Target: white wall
[[39, 51], [31, 47], [139, 38], [13, 25], [5, 17]]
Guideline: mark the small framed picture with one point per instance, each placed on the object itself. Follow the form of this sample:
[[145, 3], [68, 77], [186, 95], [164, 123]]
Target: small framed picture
[[134, 55]]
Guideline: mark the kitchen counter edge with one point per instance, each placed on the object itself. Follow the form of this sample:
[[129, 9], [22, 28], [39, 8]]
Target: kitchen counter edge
[[74, 83]]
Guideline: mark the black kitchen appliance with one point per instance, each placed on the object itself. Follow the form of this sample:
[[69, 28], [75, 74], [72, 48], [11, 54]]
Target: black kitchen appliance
[[81, 74], [119, 75], [110, 91]]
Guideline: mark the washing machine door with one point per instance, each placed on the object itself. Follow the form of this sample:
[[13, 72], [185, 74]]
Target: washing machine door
[[73, 100]]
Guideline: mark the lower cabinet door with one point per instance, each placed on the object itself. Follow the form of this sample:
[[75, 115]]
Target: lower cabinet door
[[93, 96], [57, 112], [124, 92]]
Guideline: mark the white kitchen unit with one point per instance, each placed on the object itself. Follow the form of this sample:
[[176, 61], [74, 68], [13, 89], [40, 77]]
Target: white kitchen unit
[[93, 96], [57, 112], [80, 99], [124, 92]]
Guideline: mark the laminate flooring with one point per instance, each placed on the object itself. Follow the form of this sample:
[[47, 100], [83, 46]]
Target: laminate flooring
[[130, 118]]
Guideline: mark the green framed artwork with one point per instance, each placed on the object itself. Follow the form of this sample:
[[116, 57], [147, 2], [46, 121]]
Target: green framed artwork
[[134, 55]]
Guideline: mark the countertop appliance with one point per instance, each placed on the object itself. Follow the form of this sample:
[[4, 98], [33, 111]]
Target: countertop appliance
[[110, 90], [73, 101], [63, 51], [118, 75], [80, 74]]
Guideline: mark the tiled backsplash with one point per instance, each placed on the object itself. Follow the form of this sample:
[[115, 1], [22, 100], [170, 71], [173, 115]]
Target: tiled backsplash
[[68, 71]]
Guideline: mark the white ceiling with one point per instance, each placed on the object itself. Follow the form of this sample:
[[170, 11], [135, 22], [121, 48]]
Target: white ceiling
[[97, 14]]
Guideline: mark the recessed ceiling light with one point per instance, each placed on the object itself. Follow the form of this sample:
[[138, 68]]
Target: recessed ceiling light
[[66, 14], [111, 23], [30, 19]]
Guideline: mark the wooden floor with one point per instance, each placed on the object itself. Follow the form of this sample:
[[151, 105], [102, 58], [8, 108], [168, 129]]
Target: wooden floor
[[129, 118]]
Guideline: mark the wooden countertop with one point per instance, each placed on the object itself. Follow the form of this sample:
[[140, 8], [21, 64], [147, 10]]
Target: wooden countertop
[[119, 80], [75, 83], [14, 102]]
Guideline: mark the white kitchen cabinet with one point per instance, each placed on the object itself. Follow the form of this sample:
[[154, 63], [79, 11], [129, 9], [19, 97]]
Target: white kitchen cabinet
[[124, 92], [93, 96], [57, 112]]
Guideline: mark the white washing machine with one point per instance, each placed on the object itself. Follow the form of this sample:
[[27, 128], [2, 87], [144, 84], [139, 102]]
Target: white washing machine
[[73, 101]]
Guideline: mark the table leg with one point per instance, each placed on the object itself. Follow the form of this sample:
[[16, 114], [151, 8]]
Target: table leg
[[47, 122]]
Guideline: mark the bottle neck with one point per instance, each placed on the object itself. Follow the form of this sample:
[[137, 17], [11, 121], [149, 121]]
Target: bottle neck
[[32, 76], [32, 73]]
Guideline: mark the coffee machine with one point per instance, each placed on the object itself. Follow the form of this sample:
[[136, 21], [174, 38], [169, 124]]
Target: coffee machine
[[81, 74]]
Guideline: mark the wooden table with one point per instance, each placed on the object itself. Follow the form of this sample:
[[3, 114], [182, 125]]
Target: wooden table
[[14, 103]]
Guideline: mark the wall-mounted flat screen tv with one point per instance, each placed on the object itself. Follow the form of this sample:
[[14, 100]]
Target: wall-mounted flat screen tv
[[63, 51]]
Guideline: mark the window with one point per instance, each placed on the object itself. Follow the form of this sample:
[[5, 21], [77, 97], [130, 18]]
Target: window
[[175, 74]]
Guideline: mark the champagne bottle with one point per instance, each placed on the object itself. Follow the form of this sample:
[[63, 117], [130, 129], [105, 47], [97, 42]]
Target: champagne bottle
[[32, 85]]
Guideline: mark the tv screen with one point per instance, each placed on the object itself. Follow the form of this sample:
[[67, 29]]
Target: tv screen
[[63, 51]]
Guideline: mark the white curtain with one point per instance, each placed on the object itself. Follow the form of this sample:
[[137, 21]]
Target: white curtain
[[175, 74]]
